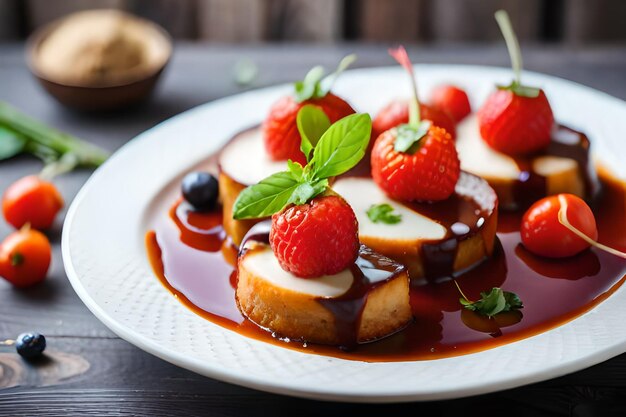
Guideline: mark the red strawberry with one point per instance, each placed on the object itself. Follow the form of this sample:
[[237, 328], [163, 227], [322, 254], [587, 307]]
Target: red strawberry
[[280, 131], [451, 100], [318, 238], [430, 173], [515, 124], [397, 113]]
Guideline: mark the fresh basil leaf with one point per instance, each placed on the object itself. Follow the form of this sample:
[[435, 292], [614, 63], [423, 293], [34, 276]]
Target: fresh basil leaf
[[11, 143], [308, 87], [297, 171], [265, 198], [408, 137], [494, 302], [521, 90], [383, 213], [342, 146], [312, 123], [307, 190]]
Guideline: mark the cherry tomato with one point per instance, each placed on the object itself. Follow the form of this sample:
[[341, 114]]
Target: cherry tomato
[[31, 200], [451, 100], [544, 235], [25, 257]]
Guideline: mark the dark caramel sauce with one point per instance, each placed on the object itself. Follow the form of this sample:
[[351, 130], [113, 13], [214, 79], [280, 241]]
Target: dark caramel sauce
[[463, 215], [553, 291], [566, 143]]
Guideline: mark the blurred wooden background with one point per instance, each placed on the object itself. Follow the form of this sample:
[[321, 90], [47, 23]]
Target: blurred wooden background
[[564, 21]]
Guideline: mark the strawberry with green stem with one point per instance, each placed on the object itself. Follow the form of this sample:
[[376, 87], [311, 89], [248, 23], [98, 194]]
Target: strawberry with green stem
[[416, 161], [280, 131], [314, 231], [515, 119]]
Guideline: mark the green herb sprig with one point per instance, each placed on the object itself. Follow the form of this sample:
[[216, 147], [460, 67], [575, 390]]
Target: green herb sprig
[[383, 213], [494, 302], [331, 150]]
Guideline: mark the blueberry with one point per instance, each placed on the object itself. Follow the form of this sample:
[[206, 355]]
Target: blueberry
[[30, 345], [200, 189]]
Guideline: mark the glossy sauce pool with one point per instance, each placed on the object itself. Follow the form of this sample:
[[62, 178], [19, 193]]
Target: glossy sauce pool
[[192, 258]]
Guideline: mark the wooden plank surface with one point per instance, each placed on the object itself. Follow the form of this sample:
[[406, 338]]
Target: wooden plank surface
[[568, 21], [473, 19], [92, 372]]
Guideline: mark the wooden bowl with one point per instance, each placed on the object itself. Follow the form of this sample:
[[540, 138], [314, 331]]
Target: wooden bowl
[[102, 96]]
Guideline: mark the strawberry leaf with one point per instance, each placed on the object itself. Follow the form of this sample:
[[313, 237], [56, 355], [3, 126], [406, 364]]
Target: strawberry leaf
[[315, 85], [265, 198], [308, 88], [342, 146], [408, 139], [521, 90], [327, 83], [312, 123]]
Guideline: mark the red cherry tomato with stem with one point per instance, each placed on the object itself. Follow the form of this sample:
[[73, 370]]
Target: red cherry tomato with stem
[[31, 200], [543, 234]]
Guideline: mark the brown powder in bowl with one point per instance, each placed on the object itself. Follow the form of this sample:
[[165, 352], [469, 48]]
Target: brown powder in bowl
[[101, 48]]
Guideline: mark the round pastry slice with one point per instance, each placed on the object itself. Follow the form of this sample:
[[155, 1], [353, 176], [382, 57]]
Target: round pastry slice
[[564, 167], [434, 240], [243, 162], [360, 304]]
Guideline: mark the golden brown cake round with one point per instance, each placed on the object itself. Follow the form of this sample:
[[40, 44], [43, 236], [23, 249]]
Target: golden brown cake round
[[363, 303]]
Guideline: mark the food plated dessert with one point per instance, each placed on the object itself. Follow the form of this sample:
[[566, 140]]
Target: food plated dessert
[[400, 262]]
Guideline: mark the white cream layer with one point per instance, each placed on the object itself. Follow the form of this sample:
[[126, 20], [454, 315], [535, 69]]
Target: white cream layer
[[263, 264], [362, 193], [479, 159], [245, 160]]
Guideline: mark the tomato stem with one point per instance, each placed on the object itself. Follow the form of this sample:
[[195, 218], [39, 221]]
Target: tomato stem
[[512, 44], [66, 163], [17, 259], [562, 217]]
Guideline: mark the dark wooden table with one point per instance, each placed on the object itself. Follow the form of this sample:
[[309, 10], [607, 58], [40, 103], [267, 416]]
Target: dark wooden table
[[90, 371]]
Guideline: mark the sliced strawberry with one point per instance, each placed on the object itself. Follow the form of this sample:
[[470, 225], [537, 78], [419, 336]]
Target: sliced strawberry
[[317, 238]]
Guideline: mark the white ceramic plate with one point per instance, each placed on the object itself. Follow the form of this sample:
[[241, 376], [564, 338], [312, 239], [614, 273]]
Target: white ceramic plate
[[105, 258]]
